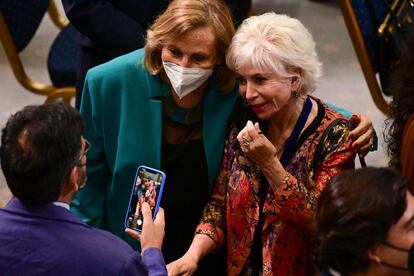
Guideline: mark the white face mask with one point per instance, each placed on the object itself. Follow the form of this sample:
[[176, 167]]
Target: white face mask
[[185, 80]]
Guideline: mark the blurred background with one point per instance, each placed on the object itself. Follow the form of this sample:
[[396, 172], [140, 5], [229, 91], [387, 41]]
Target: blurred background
[[342, 83]]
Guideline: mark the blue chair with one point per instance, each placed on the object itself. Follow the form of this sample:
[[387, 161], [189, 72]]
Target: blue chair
[[365, 24], [19, 20]]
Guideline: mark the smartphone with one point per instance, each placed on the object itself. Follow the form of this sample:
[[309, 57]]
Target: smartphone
[[148, 187]]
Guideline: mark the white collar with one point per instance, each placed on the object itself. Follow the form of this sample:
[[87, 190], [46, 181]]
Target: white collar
[[61, 204]]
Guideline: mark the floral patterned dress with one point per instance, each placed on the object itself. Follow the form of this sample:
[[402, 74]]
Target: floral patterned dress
[[231, 215]]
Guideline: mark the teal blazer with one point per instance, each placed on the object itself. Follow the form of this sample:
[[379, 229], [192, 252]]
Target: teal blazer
[[122, 108]]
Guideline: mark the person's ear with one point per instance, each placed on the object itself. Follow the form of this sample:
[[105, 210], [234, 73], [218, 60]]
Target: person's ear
[[69, 186], [72, 180], [373, 255], [296, 80]]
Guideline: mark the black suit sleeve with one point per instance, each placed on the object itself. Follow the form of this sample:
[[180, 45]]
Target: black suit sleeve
[[105, 25]]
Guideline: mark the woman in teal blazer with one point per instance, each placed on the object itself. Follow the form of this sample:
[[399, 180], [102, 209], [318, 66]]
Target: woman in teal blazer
[[133, 117]]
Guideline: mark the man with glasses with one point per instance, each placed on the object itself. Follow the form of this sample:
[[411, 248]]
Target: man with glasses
[[43, 158]]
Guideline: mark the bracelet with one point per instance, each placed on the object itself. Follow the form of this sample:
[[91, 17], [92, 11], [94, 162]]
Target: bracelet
[[286, 178]]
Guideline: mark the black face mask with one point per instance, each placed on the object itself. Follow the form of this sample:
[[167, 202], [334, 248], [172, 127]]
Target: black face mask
[[409, 253]]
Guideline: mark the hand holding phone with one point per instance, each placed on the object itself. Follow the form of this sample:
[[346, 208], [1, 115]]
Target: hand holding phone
[[152, 231], [148, 187]]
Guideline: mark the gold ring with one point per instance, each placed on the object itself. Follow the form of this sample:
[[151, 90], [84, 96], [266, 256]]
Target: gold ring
[[245, 141]]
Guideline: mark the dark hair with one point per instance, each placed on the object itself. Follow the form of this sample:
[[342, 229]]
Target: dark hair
[[355, 213], [39, 147], [402, 104]]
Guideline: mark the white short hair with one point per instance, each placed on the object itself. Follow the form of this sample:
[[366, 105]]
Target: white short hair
[[277, 42]]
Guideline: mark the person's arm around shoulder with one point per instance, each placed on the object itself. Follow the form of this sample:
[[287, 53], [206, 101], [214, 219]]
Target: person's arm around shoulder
[[363, 133], [151, 240]]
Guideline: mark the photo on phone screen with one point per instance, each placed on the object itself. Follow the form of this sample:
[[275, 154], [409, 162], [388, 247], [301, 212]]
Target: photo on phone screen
[[148, 187]]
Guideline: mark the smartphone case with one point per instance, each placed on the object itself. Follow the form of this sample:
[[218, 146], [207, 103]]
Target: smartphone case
[[158, 196]]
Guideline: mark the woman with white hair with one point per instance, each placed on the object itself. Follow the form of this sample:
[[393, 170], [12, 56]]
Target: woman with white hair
[[277, 160]]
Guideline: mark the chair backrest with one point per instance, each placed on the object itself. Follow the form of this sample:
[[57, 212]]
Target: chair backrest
[[19, 20], [23, 18], [369, 15], [362, 23]]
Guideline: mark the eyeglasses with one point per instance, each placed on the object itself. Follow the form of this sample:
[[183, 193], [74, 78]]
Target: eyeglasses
[[88, 146]]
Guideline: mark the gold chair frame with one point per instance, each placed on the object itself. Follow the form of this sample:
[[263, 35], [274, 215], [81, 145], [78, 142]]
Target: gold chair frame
[[363, 57], [51, 92]]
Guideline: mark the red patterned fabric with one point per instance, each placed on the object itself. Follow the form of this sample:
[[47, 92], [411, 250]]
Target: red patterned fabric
[[232, 213]]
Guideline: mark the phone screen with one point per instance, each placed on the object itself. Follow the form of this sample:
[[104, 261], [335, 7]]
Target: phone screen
[[148, 188]]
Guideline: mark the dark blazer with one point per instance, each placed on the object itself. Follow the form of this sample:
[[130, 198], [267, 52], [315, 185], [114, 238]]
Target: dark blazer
[[110, 28], [114, 26], [50, 240]]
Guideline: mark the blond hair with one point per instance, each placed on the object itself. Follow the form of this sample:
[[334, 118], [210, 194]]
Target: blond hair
[[185, 15], [280, 43]]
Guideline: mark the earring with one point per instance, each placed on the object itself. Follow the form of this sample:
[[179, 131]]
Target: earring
[[295, 94]]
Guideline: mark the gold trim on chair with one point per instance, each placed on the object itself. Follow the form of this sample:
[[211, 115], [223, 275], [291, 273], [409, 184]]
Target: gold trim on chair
[[64, 93], [51, 92], [60, 21], [396, 8], [363, 57]]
